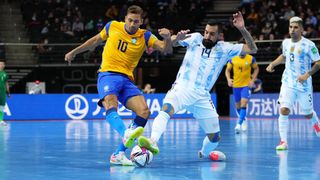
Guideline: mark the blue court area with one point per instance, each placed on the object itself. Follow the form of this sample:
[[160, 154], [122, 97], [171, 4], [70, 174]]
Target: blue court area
[[81, 150]]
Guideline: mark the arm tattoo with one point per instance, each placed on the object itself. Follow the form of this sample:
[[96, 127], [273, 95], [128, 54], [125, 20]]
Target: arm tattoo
[[249, 40], [314, 69]]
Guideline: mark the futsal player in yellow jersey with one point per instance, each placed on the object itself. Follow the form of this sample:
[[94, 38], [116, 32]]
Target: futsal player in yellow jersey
[[241, 83], [125, 44]]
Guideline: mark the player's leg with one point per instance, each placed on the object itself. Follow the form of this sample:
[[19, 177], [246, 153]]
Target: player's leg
[[306, 104], [205, 112], [172, 103], [109, 85], [2, 104], [237, 98], [245, 95], [286, 100], [2, 123], [139, 106], [158, 127]]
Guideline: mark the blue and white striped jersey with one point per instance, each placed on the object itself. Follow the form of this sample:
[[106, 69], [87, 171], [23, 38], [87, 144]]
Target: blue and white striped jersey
[[201, 67], [299, 58]]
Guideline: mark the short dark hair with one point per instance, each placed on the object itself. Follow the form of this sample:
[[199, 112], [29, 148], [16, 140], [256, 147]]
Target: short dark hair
[[134, 9], [213, 22]]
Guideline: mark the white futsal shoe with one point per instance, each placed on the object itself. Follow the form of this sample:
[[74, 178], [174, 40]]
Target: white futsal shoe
[[120, 159]]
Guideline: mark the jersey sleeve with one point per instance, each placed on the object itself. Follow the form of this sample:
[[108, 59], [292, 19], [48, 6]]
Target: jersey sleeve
[[254, 63], [229, 64], [283, 48], [314, 53], [104, 34], [233, 49], [186, 42], [150, 39]]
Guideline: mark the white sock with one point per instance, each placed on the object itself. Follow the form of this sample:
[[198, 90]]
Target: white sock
[[208, 146], [283, 121], [314, 118], [159, 125]]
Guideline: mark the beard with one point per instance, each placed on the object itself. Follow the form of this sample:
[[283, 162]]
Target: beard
[[208, 43]]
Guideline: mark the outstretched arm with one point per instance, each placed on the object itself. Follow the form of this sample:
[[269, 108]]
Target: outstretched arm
[[250, 46], [90, 44], [313, 70], [180, 36], [165, 45], [275, 63]]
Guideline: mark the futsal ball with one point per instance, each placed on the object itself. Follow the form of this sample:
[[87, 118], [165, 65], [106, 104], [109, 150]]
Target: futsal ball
[[140, 156]]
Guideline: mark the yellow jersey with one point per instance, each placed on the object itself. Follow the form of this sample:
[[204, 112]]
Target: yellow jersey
[[242, 69], [122, 50]]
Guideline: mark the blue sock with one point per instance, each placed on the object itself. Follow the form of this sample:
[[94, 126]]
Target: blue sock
[[243, 113], [139, 121], [115, 121], [121, 147], [117, 124], [238, 111]]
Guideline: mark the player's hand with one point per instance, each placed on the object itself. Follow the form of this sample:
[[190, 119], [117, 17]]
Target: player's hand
[[230, 82], [270, 68], [182, 35], [251, 84], [69, 56], [303, 78], [238, 20], [164, 33]]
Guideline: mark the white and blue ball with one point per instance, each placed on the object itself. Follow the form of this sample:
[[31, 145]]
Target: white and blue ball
[[140, 156]]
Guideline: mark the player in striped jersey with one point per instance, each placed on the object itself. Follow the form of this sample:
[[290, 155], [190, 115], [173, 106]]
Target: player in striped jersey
[[201, 66], [298, 53], [125, 44]]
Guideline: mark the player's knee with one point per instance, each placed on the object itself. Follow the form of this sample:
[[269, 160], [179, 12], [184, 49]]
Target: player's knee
[[214, 137], [168, 108], [145, 112], [309, 116], [285, 111]]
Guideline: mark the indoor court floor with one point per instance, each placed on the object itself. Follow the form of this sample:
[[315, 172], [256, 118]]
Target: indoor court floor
[[81, 149]]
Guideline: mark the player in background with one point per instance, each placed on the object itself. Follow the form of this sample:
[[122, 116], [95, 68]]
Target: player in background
[[125, 44], [4, 91], [203, 62], [298, 53], [241, 84]]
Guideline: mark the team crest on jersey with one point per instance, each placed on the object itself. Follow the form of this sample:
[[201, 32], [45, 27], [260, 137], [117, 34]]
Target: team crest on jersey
[[292, 49], [106, 88], [134, 40], [299, 51]]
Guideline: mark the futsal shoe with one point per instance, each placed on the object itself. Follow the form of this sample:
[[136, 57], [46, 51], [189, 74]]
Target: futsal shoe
[[2, 123], [120, 159], [130, 135], [282, 146], [244, 125], [214, 156], [148, 144], [237, 129], [316, 127]]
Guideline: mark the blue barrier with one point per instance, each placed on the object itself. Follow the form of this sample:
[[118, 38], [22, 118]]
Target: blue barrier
[[266, 106], [73, 106]]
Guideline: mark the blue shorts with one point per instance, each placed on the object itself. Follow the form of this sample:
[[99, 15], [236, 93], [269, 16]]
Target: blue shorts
[[243, 92], [117, 84]]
